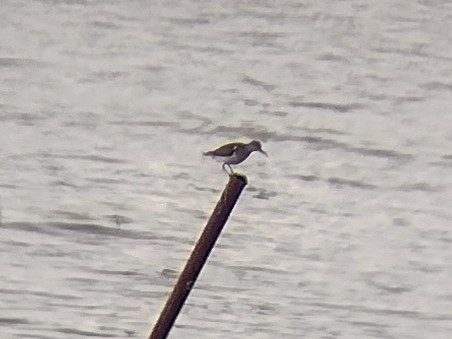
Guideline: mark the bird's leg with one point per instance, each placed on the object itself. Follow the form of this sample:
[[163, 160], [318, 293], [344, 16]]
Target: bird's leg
[[224, 168]]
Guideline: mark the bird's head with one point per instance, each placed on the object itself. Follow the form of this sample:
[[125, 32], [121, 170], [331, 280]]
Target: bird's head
[[256, 145]]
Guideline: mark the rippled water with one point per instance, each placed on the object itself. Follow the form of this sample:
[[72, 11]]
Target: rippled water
[[343, 232]]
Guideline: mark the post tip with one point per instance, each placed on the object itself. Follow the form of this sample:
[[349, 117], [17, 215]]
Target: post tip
[[239, 176]]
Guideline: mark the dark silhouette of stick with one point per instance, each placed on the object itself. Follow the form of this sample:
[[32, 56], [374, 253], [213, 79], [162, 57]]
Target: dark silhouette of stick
[[199, 256]]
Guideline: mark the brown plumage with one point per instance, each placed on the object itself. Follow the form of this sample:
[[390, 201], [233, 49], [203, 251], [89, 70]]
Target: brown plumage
[[235, 152]]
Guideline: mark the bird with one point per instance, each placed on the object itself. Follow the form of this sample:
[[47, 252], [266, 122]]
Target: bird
[[235, 152]]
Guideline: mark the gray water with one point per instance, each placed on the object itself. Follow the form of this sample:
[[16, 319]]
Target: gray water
[[344, 231]]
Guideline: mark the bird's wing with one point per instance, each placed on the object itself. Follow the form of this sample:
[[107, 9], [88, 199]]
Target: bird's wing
[[225, 150]]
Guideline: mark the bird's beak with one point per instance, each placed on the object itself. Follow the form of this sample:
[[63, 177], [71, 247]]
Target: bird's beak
[[263, 152]]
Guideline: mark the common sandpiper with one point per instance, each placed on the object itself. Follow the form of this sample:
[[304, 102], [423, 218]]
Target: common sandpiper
[[235, 152]]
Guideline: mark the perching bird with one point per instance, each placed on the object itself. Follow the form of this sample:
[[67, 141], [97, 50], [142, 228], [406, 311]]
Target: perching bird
[[235, 152]]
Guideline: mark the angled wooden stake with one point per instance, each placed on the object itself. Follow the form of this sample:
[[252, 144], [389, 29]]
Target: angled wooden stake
[[199, 256]]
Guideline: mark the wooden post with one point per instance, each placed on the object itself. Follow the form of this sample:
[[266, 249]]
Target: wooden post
[[199, 256]]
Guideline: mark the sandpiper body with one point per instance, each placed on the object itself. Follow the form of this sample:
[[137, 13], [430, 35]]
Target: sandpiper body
[[235, 152]]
